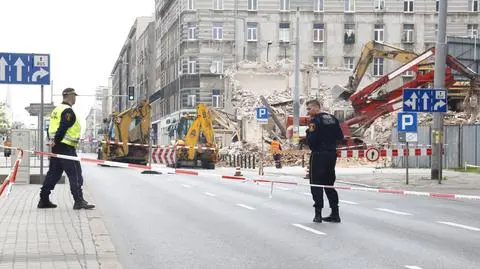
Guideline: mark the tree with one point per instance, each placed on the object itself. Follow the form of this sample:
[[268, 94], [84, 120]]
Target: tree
[[4, 121]]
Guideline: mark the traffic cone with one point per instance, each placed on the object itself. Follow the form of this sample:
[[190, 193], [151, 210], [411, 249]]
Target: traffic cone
[[238, 173]]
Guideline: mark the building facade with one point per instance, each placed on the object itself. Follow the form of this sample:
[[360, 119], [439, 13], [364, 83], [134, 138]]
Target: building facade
[[127, 72]]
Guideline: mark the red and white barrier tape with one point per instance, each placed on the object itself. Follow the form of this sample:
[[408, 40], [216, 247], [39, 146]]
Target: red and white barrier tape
[[361, 153], [10, 179], [244, 179], [389, 191]]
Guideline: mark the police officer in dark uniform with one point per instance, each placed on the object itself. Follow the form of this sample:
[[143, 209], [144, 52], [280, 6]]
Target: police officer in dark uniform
[[64, 132], [323, 134]]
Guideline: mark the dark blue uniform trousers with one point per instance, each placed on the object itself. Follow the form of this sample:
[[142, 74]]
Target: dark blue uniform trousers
[[322, 172], [55, 171]]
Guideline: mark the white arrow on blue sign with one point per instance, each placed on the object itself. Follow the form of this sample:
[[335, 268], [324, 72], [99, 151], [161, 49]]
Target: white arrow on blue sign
[[407, 122], [262, 115], [424, 100], [24, 68]]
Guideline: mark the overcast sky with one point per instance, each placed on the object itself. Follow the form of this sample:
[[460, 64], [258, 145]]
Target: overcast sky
[[83, 38]]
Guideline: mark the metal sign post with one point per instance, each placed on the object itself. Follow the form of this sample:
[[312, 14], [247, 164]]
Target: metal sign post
[[262, 119], [408, 157]]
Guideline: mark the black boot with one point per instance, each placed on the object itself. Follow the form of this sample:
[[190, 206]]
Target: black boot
[[82, 204], [318, 215], [334, 216], [45, 203]]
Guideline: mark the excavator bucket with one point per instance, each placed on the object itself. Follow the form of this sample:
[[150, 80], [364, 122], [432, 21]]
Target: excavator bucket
[[340, 92]]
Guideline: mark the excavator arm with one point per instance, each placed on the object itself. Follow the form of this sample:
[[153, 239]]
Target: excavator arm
[[372, 49], [123, 121], [201, 129]]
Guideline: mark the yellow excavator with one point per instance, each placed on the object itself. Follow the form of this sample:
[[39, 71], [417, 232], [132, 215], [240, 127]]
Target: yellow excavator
[[195, 143], [123, 129], [372, 49]]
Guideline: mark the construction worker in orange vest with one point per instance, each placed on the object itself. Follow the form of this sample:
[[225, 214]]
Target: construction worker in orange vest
[[275, 149]]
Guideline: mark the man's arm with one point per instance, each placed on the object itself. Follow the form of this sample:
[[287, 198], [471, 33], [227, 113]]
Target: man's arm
[[339, 133], [66, 121]]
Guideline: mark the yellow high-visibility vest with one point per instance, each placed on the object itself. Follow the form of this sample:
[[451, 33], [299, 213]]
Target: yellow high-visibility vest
[[72, 136]]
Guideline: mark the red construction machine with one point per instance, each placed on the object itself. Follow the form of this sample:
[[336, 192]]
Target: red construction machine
[[368, 105]]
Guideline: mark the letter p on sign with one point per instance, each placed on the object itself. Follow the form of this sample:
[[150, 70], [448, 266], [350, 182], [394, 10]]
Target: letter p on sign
[[407, 122]]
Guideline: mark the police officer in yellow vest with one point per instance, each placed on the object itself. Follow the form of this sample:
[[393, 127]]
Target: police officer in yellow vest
[[64, 133]]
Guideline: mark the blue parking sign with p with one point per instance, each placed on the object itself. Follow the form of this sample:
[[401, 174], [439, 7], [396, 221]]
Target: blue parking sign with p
[[262, 114], [407, 122]]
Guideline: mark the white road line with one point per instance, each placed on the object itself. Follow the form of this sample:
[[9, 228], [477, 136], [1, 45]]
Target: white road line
[[209, 194], [246, 206], [284, 189], [394, 212], [170, 179], [349, 202], [186, 185], [412, 267], [308, 229], [460, 226], [307, 193]]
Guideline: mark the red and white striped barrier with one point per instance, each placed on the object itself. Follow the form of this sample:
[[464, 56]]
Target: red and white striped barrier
[[154, 146], [164, 156], [10, 179], [362, 153]]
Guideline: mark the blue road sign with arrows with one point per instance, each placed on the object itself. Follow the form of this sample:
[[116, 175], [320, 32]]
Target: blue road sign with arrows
[[24, 68], [424, 100]]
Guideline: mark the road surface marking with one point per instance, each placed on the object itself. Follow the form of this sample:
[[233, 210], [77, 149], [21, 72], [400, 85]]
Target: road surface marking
[[186, 185], [394, 212], [349, 202], [307, 193], [460, 226], [308, 229], [412, 267], [170, 179], [209, 194], [246, 206], [284, 189]]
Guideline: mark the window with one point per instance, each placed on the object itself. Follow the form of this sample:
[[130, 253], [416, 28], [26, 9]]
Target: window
[[379, 5], [318, 5], [218, 4], [348, 62], [191, 4], [191, 31], [378, 32], [252, 31], [217, 65], [408, 73], [436, 31], [284, 32], [318, 61], [474, 5], [437, 5], [408, 33], [284, 5], [216, 98], [318, 32], [191, 67], [349, 36], [217, 31], [252, 4], [191, 100], [378, 66], [349, 5], [407, 5], [472, 30]]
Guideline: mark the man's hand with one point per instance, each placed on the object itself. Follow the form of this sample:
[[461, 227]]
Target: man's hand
[[51, 143]]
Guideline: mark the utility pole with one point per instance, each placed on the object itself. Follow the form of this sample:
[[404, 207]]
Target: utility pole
[[296, 101], [439, 83]]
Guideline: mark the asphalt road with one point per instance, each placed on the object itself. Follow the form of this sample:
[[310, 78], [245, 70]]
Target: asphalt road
[[177, 221]]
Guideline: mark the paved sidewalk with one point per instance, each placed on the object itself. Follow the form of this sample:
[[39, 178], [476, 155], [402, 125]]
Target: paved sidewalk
[[59, 238]]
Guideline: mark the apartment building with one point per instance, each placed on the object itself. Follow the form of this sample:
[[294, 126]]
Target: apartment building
[[196, 40], [131, 67]]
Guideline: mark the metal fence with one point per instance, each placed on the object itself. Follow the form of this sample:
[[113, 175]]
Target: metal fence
[[462, 145]]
